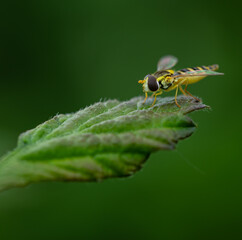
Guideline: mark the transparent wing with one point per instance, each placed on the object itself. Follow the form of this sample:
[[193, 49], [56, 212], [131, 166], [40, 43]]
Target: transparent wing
[[166, 62], [196, 73]]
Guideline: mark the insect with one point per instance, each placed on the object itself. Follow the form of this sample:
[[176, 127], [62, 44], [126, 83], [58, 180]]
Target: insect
[[165, 79]]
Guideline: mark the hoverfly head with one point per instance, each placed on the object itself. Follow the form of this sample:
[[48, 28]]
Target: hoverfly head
[[150, 83]]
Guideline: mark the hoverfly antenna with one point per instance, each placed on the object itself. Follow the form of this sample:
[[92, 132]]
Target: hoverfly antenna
[[141, 81]]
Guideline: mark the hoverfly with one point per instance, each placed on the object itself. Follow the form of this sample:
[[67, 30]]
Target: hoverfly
[[166, 79]]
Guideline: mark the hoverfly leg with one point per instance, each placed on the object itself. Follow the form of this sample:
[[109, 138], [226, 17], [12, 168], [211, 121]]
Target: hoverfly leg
[[176, 97], [156, 94], [191, 94], [152, 95], [181, 89], [146, 95]]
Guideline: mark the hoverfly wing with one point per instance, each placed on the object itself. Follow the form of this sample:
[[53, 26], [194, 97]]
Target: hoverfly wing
[[166, 62], [196, 73]]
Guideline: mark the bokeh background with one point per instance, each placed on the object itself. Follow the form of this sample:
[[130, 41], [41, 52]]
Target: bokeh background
[[60, 56]]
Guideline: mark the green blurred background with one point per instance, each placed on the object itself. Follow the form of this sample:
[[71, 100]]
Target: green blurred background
[[60, 56]]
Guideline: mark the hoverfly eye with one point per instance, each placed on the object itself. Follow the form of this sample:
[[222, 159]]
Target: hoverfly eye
[[152, 83]]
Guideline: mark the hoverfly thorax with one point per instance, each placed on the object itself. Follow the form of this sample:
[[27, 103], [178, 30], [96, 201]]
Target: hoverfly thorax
[[166, 82]]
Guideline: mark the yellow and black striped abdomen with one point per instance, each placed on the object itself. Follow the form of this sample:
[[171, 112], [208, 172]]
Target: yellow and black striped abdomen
[[193, 74], [197, 69], [213, 67]]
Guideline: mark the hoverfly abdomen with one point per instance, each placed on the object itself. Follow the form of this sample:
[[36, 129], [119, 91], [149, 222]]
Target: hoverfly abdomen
[[194, 70], [183, 70], [213, 67]]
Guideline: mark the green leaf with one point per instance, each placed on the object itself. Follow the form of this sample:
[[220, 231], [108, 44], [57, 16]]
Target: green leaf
[[108, 139]]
